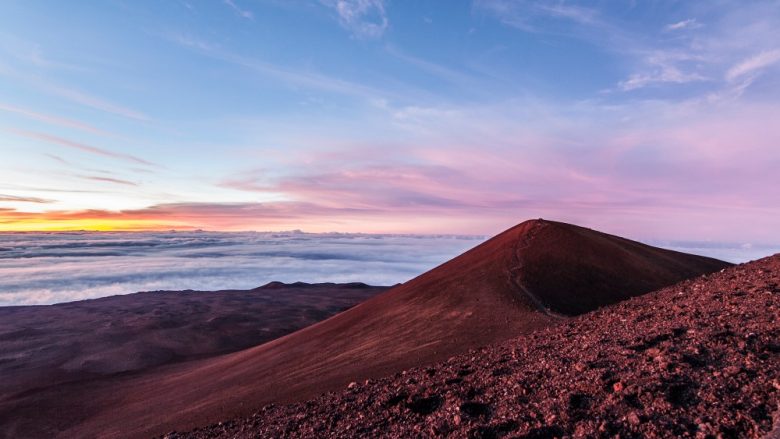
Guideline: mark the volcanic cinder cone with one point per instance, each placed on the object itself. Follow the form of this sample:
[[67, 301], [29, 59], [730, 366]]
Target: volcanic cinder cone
[[699, 358], [529, 276]]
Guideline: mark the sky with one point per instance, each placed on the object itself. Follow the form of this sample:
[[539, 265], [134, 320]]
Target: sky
[[648, 119]]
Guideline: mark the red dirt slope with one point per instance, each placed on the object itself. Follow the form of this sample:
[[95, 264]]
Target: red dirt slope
[[519, 281], [699, 359]]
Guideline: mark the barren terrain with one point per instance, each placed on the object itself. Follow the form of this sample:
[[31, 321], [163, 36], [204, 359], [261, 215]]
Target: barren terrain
[[44, 347], [698, 359], [532, 276]]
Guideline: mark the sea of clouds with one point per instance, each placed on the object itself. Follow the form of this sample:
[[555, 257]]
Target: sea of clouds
[[43, 268]]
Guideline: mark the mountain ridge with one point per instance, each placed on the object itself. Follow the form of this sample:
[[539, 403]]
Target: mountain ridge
[[515, 283], [464, 303], [699, 358]]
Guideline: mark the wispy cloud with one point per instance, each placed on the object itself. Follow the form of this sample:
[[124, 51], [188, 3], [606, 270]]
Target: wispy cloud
[[375, 188], [32, 53], [666, 66], [57, 159], [296, 77], [47, 189], [364, 18], [108, 180], [80, 146], [97, 103], [565, 161], [527, 15], [725, 48], [753, 64], [662, 74], [690, 23], [244, 13], [74, 95], [51, 119], [14, 198], [454, 76], [575, 13]]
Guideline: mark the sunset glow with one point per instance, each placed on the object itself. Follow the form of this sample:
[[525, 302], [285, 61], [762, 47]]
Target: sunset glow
[[651, 120], [43, 223]]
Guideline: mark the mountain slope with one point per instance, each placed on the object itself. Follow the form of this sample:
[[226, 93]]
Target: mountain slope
[[50, 344], [47, 348], [697, 359], [526, 278]]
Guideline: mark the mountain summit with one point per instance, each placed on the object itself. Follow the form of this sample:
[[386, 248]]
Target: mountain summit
[[530, 276]]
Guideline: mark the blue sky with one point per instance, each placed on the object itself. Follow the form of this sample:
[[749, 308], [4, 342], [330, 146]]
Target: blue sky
[[655, 119]]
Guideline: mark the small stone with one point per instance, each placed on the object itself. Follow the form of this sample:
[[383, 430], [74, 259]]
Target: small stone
[[456, 420], [617, 387], [653, 352], [633, 419], [352, 385]]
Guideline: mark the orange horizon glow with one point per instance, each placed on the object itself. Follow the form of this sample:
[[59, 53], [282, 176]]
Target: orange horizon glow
[[12, 220], [238, 217], [96, 225], [630, 221]]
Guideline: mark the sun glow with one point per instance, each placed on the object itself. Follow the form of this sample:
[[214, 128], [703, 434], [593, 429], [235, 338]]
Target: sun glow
[[91, 224]]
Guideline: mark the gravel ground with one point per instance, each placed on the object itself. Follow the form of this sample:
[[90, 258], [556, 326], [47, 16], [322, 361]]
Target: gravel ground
[[698, 359]]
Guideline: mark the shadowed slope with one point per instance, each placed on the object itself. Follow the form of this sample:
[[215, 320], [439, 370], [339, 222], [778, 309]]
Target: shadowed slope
[[48, 348], [523, 279], [573, 270], [45, 345]]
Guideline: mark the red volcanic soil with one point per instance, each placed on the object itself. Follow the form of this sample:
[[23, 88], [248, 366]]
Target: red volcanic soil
[[698, 359], [43, 346], [529, 277]]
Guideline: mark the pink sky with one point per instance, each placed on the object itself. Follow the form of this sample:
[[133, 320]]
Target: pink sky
[[654, 123]]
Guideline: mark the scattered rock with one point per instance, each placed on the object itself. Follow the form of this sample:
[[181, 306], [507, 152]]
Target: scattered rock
[[589, 377]]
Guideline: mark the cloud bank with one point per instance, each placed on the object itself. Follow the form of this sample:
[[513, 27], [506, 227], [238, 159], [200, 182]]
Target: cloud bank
[[43, 268]]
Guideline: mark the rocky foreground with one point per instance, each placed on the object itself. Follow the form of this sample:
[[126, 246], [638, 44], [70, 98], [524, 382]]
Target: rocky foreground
[[699, 359]]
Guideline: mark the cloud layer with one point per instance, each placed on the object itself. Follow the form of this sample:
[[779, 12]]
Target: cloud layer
[[42, 268], [60, 267]]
